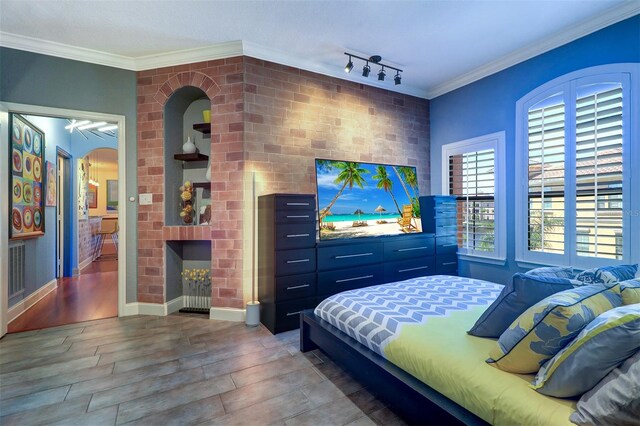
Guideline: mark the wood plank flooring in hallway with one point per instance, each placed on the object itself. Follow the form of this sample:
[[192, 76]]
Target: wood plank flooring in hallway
[[179, 369], [91, 295]]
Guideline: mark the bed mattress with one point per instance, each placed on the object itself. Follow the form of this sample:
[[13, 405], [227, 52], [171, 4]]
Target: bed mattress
[[420, 325]]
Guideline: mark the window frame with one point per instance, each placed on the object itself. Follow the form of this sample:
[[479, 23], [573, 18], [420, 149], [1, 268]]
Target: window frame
[[495, 141], [627, 75]]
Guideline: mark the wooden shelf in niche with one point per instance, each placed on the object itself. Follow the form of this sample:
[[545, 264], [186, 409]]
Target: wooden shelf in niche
[[196, 156], [204, 128], [204, 185]]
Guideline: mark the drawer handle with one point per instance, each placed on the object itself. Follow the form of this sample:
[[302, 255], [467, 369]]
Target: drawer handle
[[298, 216], [449, 263], [297, 204], [364, 277], [346, 256], [448, 204], [297, 235], [297, 286], [449, 245], [297, 261], [413, 248], [293, 313], [413, 269]]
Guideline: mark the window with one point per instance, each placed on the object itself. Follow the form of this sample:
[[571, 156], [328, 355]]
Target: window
[[474, 173], [573, 154]]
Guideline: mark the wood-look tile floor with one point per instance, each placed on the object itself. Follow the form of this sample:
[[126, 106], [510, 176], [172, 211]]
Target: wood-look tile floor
[[179, 369]]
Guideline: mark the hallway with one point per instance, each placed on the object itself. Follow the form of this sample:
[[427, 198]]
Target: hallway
[[90, 296]]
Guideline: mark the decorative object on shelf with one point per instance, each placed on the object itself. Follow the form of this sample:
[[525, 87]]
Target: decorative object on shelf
[[206, 115], [112, 195], [51, 195], [203, 201], [189, 147], [187, 204], [207, 175], [27, 180], [375, 59], [196, 290]]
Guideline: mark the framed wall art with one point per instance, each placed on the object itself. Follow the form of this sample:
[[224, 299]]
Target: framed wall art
[[51, 185], [112, 195], [27, 179], [92, 197]]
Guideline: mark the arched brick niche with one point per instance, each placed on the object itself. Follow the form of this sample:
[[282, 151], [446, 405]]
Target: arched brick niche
[[163, 94]]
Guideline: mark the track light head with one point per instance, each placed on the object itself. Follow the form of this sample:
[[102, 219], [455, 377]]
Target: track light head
[[366, 70], [397, 79], [381, 74], [349, 66]]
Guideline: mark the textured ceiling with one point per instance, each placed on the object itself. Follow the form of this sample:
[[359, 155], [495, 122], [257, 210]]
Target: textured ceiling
[[433, 41]]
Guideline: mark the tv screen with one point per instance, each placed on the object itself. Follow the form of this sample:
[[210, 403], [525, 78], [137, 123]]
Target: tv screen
[[366, 200]]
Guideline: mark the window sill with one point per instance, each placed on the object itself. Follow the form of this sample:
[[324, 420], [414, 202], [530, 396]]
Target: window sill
[[483, 259]]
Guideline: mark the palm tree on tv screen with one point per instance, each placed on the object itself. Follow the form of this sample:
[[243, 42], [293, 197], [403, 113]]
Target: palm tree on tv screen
[[385, 183], [407, 174], [350, 174]]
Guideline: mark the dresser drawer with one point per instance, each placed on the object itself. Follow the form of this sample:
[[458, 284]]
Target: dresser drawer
[[297, 235], [409, 268], [331, 282], [445, 229], [295, 202], [409, 248], [295, 286], [296, 216], [446, 244], [291, 262], [287, 314], [447, 264], [344, 256]]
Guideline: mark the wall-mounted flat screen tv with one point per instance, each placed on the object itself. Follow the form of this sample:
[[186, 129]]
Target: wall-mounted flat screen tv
[[366, 200]]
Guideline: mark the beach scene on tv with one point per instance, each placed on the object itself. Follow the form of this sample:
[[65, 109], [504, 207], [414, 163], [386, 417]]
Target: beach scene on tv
[[366, 200]]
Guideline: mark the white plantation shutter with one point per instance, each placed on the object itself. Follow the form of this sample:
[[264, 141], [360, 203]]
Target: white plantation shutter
[[472, 180], [546, 169], [599, 169]]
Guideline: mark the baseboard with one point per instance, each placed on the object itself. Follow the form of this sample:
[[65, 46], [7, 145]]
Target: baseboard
[[159, 309], [227, 314], [84, 264], [175, 305], [19, 308]]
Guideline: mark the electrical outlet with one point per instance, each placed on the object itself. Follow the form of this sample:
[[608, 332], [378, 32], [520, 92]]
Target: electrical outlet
[[146, 199]]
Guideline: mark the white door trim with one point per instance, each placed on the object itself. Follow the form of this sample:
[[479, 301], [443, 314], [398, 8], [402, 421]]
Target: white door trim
[[122, 196], [4, 219]]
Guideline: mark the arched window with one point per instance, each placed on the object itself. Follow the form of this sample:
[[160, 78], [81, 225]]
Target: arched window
[[576, 150]]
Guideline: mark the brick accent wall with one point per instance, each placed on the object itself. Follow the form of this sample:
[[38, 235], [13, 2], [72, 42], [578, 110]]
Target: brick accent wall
[[273, 120]]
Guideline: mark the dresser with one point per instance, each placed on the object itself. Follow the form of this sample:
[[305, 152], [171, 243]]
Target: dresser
[[296, 272], [286, 259]]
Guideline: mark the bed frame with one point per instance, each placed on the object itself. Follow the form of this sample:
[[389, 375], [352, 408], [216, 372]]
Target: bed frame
[[407, 396]]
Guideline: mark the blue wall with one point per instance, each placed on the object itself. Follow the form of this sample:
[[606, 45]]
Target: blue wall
[[40, 253], [488, 106]]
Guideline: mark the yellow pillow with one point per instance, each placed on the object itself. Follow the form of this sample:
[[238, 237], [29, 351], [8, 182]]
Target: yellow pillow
[[549, 325], [630, 291]]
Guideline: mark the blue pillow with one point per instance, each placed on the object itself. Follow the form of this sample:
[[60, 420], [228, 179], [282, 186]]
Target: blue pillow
[[600, 347], [607, 274], [521, 292], [552, 271]]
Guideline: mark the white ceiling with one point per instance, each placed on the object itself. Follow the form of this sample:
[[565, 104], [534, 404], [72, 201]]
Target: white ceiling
[[440, 45]]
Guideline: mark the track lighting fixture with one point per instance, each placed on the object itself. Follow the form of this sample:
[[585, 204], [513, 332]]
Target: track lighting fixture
[[366, 70], [349, 66]]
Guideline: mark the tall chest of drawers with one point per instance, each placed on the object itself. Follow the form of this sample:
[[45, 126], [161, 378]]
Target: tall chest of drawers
[[286, 259], [439, 217]]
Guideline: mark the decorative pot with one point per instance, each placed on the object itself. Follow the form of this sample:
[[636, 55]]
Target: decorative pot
[[189, 147], [206, 115]]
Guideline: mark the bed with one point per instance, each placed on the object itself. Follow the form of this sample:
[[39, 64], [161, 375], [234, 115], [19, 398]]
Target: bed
[[407, 342]]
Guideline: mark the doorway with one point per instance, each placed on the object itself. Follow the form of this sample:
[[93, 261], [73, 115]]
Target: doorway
[[62, 249]]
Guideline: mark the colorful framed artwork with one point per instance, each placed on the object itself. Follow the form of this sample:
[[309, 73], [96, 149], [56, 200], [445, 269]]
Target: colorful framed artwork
[[112, 195], [92, 197], [83, 182], [52, 178], [26, 153]]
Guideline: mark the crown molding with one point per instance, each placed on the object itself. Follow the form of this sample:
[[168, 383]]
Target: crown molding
[[190, 56], [257, 51], [627, 10], [60, 50]]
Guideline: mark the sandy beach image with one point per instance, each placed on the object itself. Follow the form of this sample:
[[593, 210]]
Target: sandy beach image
[[345, 229]]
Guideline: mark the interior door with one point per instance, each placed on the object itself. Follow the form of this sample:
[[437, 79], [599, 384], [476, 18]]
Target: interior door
[[4, 219], [60, 211]]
